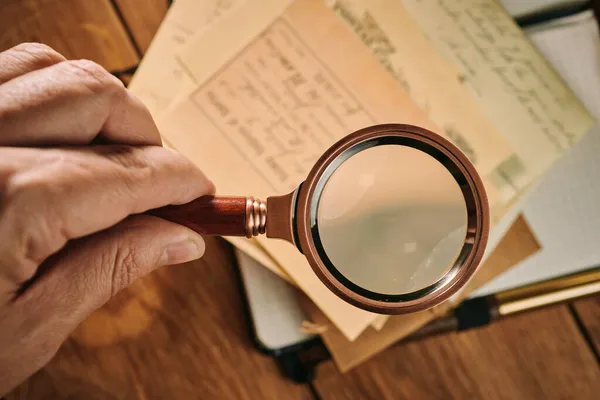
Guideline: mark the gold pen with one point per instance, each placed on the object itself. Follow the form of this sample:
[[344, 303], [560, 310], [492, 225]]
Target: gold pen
[[480, 311]]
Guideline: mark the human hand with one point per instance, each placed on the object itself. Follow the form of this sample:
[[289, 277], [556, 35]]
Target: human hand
[[80, 160]]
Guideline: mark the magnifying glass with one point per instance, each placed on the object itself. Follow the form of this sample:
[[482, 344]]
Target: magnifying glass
[[392, 218]]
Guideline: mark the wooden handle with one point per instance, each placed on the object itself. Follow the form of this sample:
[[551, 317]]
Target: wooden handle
[[218, 215]]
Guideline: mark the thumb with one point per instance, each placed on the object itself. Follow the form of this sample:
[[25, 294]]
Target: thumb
[[79, 279], [89, 271]]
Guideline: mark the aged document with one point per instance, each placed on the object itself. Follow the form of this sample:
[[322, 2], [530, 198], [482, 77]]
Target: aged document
[[257, 124], [159, 77], [395, 39], [384, 28], [434, 83], [209, 50], [520, 92], [379, 322], [462, 121]]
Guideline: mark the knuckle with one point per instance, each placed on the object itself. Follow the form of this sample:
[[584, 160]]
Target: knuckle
[[27, 208], [129, 157], [38, 54], [134, 166], [23, 270], [94, 77], [177, 158], [33, 47], [177, 164], [172, 161], [21, 189]]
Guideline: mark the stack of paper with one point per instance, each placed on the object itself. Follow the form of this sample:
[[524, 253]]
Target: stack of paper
[[254, 92], [564, 209]]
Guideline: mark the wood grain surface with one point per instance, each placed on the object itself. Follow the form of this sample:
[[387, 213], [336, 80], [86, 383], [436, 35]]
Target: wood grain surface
[[142, 18], [588, 311], [180, 333], [518, 244], [534, 356], [77, 29]]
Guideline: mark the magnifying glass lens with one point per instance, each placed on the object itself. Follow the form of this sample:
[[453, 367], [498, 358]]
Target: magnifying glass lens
[[391, 219]]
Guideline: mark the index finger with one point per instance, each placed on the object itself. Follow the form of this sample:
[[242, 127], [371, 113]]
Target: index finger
[[67, 194], [72, 103], [26, 57]]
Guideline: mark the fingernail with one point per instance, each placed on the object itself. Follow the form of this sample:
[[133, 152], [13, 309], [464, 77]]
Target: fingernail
[[183, 251]]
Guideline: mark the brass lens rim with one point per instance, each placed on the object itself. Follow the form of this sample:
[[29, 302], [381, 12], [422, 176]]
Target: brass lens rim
[[462, 170]]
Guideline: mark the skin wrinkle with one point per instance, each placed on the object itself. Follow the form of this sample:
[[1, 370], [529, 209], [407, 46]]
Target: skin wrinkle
[[60, 178], [83, 172], [57, 187], [53, 230], [110, 86], [42, 234], [24, 260], [29, 57], [41, 54], [79, 156], [87, 85], [123, 265], [86, 274], [131, 171], [17, 199], [95, 78], [53, 224], [104, 106], [45, 98], [100, 83]]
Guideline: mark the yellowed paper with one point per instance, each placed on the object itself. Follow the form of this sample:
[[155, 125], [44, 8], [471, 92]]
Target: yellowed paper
[[519, 91], [432, 82], [374, 23], [159, 77], [239, 29], [260, 122], [210, 50], [379, 322]]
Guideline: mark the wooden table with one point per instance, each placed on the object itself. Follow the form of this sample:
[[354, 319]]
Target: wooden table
[[180, 333]]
